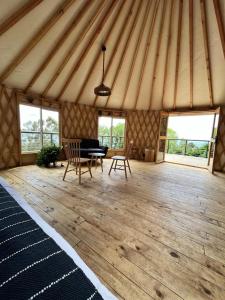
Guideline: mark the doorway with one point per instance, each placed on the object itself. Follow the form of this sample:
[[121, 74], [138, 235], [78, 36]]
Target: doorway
[[188, 138]]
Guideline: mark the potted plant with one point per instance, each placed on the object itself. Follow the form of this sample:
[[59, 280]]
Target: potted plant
[[48, 155]]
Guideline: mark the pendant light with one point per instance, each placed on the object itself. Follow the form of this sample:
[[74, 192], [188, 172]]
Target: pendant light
[[102, 90]]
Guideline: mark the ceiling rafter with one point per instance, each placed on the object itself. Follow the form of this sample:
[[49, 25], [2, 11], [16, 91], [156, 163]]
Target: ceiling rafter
[[73, 48], [117, 43], [178, 52], [147, 46], [130, 73], [191, 50], [77, 18], [220, 24], [206, 47], [87, 48], [18, 15], [34, 40], [108, 35], [157, 52], [168, 48], [126, 46]]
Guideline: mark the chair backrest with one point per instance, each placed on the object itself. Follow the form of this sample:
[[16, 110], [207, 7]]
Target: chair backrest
[[72, 150], [129, 149]]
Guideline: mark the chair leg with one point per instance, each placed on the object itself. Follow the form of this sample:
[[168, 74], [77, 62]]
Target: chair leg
[[125, 168], [128, 166], [89, 168], [111, 167], [65, 171], [115, 165], [79, 173]]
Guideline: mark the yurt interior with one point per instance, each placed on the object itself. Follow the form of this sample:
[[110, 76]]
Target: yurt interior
[[112, 149]]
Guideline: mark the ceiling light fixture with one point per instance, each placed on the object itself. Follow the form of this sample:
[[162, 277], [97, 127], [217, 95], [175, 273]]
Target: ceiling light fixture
[[102, 90]]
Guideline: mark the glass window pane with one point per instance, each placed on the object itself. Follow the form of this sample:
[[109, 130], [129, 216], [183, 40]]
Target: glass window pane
[[50, 139], [118, 132], [50, 121], [29, 118], [104, 131], [30, 141]]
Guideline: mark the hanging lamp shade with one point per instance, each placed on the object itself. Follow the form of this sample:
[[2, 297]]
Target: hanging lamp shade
[[102, 90]]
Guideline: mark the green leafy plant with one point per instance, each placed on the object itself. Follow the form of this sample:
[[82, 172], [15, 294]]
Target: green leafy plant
[[48, 155]]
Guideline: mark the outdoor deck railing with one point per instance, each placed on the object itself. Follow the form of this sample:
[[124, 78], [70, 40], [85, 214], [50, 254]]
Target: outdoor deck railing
[[117, 142], [31, 140], [197, 148]]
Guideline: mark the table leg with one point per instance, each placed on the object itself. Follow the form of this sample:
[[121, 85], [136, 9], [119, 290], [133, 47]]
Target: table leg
[[101, 163]]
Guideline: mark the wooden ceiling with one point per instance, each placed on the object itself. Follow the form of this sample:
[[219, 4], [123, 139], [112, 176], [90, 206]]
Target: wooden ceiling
[[160, 53]]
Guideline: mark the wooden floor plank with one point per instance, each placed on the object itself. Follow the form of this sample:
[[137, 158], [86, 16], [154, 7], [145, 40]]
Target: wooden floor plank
[[158, 235]]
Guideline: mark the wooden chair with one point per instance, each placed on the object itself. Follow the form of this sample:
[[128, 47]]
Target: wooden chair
[[72, 151], [124, 159]]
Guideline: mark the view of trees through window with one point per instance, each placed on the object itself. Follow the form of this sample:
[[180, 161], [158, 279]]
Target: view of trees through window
[[39, 127], [111, 132], [189, 135]]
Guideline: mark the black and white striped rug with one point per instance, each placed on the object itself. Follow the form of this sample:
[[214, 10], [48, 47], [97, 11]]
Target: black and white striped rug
[[35, 261]]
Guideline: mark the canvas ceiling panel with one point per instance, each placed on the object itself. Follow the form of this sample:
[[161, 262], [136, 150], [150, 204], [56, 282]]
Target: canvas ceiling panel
[[143, 99], [13, 41], [94, 72], [183, 84], [87, 96], [9, 7], [29, 65], [156, 101], [134, 80], [170, 78], [50, 70], [216, 56], [117, 59], [200, 84], [116, 98]]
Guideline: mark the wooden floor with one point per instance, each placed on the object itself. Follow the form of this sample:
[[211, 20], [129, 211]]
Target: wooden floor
[[158, 235]]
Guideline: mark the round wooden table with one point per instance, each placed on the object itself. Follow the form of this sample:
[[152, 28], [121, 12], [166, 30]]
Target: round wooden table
[[96, 156]]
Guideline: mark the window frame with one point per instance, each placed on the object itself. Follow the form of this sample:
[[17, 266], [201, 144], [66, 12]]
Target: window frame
[[41, 127], [111, 128]]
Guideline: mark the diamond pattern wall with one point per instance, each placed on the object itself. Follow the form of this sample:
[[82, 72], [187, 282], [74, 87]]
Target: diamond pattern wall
[[220, 147], [79, 121], [9, 131], [143, 129]]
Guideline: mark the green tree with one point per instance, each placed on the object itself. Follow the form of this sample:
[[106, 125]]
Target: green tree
[[51, 125], [171, 134]]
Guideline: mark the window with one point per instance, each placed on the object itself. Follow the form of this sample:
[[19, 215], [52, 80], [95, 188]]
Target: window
[[111, 132], [39, 127]]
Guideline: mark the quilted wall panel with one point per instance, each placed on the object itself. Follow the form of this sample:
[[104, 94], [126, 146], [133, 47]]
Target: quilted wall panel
[[79, 121], [9, 132], [220, 148], [143, 129]]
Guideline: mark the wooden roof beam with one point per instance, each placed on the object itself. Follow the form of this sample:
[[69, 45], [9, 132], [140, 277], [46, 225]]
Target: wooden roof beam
[[130, 73], [157, 52], [191, 50], [220, 24], [59, 43], [126, 46], [147, 46], [87, 48], [34, 40], [107, 37], [206, 47], [18, 15], [168, 48], [178, 51], [73, 48]]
